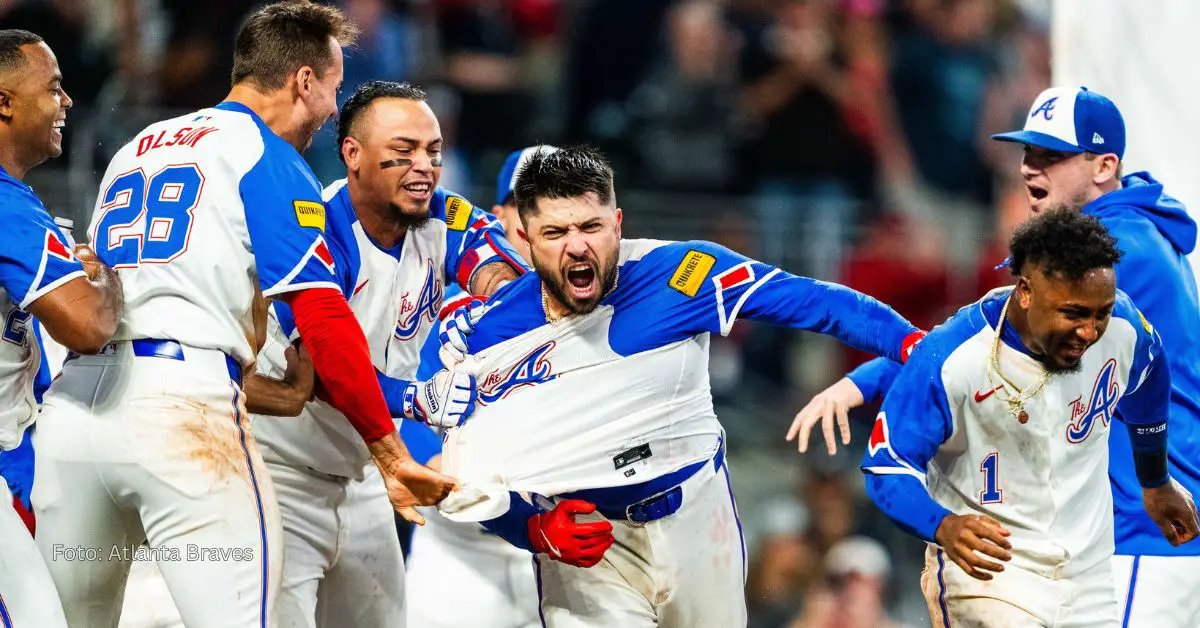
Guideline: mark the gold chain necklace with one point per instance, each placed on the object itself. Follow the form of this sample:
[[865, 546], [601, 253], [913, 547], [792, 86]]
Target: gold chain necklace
[[1016, 402], [552, 316]]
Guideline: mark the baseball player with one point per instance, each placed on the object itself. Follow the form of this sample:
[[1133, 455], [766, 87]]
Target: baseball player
[[77, 300], [593, 400], [992, 443], [1065, 166], [202, 216], [495, 585], [399, 240]]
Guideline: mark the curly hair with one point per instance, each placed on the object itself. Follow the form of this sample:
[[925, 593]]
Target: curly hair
[[1063, 242], [563, 173]]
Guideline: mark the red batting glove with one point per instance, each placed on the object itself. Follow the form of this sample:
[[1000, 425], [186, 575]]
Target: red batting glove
[[557, 535]]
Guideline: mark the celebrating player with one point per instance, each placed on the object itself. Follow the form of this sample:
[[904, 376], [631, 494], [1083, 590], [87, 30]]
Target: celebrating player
[[398, 238], [201, 215], [593, 396], [495, 580], [1074, 142], [76, 298], [1003, 414]]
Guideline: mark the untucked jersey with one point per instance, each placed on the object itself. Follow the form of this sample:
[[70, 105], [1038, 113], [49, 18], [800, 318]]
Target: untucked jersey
[[201, 213], [395, 294], [621, 395], [945, 422], [35, 258]]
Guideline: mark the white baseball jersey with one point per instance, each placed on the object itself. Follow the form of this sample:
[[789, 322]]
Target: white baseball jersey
[[34, 259], [395, 295], [628, 382], [945, 424], [200, 212]]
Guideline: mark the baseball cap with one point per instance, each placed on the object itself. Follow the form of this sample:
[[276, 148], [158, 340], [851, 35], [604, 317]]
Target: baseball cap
[[1072, 120], [512, 167]]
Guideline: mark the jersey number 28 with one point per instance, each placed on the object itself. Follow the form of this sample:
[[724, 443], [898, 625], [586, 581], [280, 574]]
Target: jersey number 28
[[148, 221]]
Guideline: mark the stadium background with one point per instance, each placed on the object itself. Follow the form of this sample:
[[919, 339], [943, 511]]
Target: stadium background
[[842, 139]]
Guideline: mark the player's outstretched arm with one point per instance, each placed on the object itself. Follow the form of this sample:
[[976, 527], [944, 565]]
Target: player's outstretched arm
[[864, 384], [83, 313], [707, 288], [342, 360], [488, 279]]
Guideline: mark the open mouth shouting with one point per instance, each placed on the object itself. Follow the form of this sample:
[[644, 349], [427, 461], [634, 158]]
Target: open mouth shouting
[[1036, 193], [583, 282]]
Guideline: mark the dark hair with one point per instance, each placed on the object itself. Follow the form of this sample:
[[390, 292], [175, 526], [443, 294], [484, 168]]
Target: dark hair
[[362, 98], [279, 39], [1063, 241], [11, 40], [562, 173]]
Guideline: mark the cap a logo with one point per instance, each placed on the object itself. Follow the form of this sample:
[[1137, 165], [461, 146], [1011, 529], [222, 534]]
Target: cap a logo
[[1046, 109]]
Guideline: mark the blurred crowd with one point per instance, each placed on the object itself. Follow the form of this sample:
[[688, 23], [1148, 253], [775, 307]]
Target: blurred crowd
[[840, 139]]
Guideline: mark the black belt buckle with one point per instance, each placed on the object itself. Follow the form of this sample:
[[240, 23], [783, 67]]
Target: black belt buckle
[[655, 507]]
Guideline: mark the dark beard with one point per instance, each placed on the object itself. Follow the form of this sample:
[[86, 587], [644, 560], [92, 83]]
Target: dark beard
[[408, 221], [576, 307]]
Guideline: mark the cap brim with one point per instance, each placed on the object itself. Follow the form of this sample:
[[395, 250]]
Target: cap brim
[[1041, 140]]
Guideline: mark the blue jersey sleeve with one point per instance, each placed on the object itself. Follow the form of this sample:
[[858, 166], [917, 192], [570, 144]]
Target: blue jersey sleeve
[[287, 222], [34, 256], [1145, 405], [474, 239], [913, 424], [513, 526], [422, 442], [874, 378], [695, 287]]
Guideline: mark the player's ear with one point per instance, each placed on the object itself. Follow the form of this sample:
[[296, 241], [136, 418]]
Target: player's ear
[[305, 78], [521, 234], [6, 104], [1107, 169], [620, 216], [1024, 292], [351, 151]]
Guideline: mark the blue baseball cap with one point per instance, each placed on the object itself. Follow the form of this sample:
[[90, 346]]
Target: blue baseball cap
[[512, 167], [1072, 120]]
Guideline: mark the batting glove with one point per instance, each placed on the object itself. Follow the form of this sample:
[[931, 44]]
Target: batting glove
[[444, 400], [557, 535], [457, 324]]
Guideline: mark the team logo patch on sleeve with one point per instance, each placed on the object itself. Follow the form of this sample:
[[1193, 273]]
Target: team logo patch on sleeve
[[458, 213], [1145, 323], [310, 214], [691, 272]]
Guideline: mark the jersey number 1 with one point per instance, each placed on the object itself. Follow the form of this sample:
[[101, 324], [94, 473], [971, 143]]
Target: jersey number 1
[[148, 221], [991, 493]]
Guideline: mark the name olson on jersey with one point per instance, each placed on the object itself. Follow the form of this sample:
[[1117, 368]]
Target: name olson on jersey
[[534, 368], [426, 307], [187, 136], [1102, 403]]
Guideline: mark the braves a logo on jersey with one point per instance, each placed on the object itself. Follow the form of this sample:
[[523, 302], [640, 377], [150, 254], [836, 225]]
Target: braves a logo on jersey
[[534, 368], [426, 305], [1103, 402]]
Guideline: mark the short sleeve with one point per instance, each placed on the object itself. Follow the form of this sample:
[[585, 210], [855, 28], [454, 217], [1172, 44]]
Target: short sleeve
[[474, 239], [34, 255], [286, 219]]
